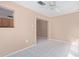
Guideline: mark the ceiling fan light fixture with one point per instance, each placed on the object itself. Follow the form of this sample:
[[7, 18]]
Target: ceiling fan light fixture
[[51, 3], [41, 3]]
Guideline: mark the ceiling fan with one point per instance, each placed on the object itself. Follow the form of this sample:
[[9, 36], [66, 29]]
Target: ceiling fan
[[50, 4], [47, 3]]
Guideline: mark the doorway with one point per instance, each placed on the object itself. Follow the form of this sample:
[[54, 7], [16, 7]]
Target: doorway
[[42, 30]]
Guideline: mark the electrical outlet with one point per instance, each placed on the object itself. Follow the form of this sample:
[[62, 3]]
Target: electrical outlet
[[26, 41]]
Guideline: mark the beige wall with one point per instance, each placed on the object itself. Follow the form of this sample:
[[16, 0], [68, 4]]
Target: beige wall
[[65, 27], [24, 32]]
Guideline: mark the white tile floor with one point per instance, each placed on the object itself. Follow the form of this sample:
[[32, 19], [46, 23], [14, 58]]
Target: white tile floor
[[74, 49], [46, 48]]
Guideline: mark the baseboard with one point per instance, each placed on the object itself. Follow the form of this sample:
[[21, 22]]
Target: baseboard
[[18, 51], [60, 40]]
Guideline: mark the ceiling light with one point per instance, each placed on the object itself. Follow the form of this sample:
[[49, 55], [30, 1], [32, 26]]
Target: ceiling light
[[41, 3]]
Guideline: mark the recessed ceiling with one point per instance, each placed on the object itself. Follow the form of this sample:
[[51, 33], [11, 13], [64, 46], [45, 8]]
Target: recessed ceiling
[[60, 8]]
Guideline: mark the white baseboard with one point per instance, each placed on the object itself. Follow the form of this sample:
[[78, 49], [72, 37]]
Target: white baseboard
[[60, 40], [18, 51]]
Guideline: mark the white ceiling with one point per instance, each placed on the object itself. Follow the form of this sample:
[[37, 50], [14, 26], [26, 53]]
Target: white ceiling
[[62, 7]]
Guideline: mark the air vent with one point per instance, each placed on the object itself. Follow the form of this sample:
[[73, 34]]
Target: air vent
[[41, 3]]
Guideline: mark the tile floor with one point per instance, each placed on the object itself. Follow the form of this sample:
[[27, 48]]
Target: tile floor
[[46, 48]]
